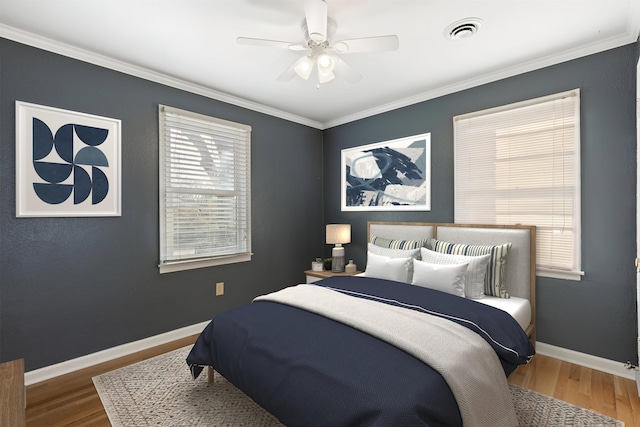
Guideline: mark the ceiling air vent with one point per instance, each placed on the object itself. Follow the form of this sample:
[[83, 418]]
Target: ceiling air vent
[[463, 29]]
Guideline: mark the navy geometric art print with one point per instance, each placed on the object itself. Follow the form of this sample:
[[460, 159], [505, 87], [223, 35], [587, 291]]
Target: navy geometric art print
[[68, 163], [390, 175]]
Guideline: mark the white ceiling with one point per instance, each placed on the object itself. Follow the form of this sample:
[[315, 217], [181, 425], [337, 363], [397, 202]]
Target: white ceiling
[[191, 44]]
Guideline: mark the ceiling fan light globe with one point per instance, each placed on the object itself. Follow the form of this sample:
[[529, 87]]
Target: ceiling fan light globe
[[325, 76], [325, 73], [326, 63], [304, 67]]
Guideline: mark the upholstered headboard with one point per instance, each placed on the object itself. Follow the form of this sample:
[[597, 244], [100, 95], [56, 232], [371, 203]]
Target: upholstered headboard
[[401, 230], [518, 267], [520, 271]]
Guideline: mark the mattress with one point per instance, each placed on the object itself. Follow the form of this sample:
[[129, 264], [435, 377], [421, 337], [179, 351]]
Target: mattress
[[518, 308]]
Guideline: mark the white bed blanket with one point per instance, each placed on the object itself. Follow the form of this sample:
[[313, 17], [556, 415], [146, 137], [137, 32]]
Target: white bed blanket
[[467, 363]]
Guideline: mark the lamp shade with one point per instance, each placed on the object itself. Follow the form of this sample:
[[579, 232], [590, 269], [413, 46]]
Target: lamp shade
[[338, 233]]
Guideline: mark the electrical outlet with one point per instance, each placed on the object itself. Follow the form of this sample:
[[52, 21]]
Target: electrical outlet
[[219, 289]]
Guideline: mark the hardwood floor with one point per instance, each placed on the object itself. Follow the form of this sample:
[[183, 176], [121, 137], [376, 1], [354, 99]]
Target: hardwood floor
[[71, 400], [604, 393]]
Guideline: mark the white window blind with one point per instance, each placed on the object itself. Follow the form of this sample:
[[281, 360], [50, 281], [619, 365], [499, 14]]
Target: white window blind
[[204, 191], [520, 164]]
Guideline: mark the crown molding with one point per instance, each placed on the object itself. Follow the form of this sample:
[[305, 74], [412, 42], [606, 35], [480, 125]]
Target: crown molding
[[601, 46], [630, 36], [63, 49]]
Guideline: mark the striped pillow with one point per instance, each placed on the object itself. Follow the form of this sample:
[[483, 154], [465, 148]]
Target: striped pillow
[[494, 282], [398, 244]]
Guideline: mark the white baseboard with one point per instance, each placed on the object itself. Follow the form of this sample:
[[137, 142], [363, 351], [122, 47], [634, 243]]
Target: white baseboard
[[112, 353], [587, 360], [48, 372]]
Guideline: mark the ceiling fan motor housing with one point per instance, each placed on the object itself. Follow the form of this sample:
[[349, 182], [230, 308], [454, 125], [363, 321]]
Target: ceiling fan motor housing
[[311, 42]]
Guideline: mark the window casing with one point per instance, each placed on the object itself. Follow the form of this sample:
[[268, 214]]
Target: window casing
[[520, 164], [205, 191]]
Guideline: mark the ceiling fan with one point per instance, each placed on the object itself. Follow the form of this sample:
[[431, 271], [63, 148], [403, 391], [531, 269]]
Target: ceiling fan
[[320, 51]]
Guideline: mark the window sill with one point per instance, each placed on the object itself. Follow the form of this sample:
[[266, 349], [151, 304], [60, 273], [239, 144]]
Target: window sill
[[171, 267], [559, 274]]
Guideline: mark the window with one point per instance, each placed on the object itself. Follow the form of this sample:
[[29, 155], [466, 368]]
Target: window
[[204, 191], [520, 164]]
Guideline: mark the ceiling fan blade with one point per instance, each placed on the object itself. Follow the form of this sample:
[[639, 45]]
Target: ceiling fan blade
[[291, 72], [271, 43], [345, 71], [315, 12], [367, 44], [288, 74]]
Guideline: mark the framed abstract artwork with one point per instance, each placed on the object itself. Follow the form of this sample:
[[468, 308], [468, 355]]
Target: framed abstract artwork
[[388, 176], [67, 163]]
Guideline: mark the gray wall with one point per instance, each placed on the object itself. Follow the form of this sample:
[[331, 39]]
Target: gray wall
[[73, 286], [598, 314]]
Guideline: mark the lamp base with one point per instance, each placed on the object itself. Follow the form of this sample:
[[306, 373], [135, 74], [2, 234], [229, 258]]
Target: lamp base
[[337, 262]]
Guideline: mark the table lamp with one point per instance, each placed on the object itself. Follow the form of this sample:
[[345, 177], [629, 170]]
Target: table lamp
[[337, 234]]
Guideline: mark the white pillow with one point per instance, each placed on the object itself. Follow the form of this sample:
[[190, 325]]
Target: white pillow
[[474, 278], [396, 253], [383, 267], [447, 278]]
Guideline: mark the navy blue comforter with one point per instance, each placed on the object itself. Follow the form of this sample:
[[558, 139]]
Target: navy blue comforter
[[308, 370]]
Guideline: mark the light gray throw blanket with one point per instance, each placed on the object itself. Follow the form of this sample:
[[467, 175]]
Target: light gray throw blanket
[[466, 361]]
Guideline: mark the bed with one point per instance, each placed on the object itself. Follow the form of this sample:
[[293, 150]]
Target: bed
[[374, 351]]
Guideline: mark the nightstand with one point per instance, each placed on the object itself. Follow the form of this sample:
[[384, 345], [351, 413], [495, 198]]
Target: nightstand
[[12, 399], [314, 276]]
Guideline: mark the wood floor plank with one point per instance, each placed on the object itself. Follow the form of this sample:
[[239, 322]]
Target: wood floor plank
[[623, 402], [634, 403], [577, 392], [585, 381], [563, 381], [603, 394], [546, 375]]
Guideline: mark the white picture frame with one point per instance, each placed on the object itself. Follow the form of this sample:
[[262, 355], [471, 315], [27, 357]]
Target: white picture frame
[[391, 175], [67, 163]]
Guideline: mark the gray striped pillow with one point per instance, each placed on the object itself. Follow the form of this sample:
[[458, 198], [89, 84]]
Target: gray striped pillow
[[494, 283], [397, 243]]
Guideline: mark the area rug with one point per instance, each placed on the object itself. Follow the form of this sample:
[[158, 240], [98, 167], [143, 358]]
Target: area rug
[[160, 392]]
